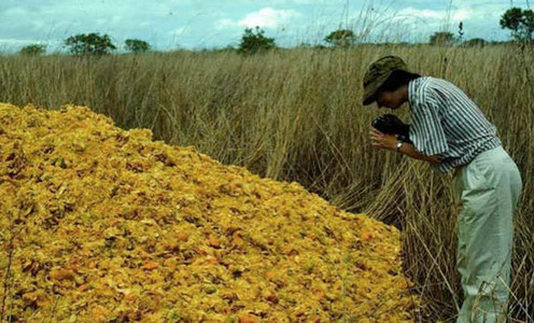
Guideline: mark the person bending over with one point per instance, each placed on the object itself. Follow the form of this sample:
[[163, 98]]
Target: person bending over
[[449, 131]]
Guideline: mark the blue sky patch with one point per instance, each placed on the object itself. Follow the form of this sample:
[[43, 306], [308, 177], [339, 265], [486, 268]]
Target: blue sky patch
[[196, 24]]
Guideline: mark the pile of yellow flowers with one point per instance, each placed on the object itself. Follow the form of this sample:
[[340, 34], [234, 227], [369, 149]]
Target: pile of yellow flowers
[[102, 224]]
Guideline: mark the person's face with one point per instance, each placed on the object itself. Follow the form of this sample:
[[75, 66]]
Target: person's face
[[390, 99]]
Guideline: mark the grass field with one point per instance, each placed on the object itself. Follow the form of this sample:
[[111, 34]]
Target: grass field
[[296, 115]]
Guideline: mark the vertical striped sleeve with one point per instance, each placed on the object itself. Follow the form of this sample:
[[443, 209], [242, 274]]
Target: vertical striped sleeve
[[426, 131]]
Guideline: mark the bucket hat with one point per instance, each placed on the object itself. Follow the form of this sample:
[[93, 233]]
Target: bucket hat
[[377, 73]]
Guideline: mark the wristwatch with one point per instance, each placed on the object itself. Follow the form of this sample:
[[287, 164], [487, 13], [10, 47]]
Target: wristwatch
[[399, 145]]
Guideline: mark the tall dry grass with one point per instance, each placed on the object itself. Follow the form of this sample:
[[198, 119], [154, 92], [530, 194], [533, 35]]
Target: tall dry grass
[[296, 115]]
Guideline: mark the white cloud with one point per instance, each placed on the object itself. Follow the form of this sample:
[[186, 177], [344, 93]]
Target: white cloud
[[461, 14], [178, 31], [226, 23], [435, 15], [266, 17], [15, 11], [10, 41], [421, 13]]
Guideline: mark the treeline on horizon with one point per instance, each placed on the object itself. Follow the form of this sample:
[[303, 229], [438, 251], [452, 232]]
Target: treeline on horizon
[[259, 46]]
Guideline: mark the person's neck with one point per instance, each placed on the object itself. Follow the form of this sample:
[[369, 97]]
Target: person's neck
[[404, 93]]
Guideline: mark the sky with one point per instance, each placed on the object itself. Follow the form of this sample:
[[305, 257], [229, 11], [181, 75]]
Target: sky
[[199, 24]]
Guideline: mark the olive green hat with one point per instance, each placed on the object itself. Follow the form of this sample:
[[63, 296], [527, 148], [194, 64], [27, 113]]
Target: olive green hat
[[377, 73]]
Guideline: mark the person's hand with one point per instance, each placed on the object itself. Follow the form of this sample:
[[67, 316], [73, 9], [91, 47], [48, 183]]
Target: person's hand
[[382, 140]]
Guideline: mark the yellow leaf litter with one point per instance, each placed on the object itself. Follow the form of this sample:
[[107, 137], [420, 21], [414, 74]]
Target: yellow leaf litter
[[102, 224]]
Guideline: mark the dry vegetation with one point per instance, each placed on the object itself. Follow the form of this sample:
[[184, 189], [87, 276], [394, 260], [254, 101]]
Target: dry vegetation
[[296, 115]]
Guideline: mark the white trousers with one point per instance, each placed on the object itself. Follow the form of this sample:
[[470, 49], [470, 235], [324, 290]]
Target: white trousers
[[486, 192]]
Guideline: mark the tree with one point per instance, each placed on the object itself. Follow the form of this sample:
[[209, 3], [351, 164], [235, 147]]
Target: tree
[[136, 46], [461, 31], [520, 22], [475, 42], [341, 38], [442, 38], [34, 49], [254, 41], [90, 44]]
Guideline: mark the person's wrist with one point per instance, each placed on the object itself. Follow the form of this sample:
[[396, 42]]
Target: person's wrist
[[398, 146]]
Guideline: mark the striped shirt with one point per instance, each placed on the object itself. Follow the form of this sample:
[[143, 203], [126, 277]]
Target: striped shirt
[[446, 123]]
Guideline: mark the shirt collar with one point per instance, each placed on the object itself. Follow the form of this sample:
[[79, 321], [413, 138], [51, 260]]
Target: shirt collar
[[412, 90]]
